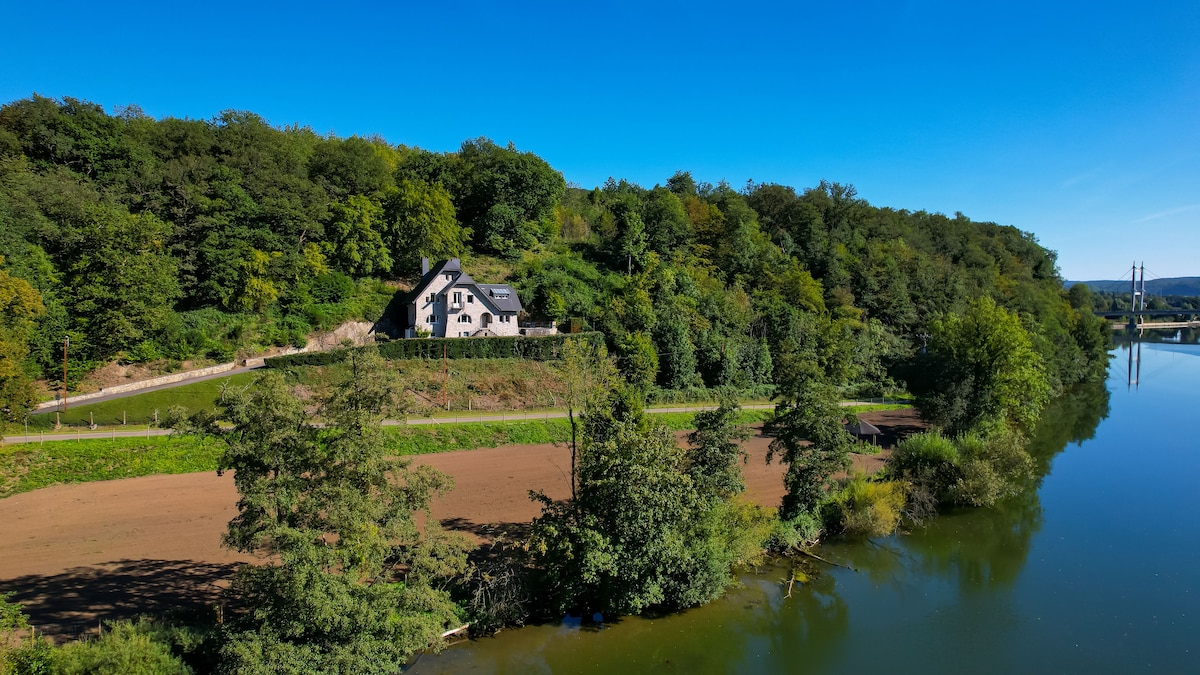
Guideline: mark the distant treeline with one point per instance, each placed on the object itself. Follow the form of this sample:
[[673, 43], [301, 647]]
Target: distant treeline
[[1177, 286], [147, 239]]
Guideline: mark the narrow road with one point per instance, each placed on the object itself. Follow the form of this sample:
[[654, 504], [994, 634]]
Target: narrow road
[[456, 418], [169, 385]]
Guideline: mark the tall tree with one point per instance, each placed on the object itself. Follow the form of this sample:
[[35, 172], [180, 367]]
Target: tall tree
[[357, 585], [981, 365], [20, 304], [120, 280], [505, 195], [637, 534], [809, 436], [419, 220]]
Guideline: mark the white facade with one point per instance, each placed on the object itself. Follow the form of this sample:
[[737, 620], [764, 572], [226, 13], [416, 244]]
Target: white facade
[[448, 303]]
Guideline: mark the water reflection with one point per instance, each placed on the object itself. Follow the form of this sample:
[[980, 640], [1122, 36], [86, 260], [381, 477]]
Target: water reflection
[[1131, 342], [966, 592]]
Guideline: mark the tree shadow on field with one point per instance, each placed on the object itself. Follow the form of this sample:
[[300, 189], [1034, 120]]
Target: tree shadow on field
[[71, 604], [489, 531]]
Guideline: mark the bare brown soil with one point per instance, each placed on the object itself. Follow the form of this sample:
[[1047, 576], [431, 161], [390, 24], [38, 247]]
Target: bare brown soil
[[73, 554]]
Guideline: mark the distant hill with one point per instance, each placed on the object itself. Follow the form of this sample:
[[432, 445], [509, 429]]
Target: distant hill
[[1173, 286]]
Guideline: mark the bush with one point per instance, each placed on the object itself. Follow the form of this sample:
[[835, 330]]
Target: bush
[[332, 287], [978, 468], [994, 465], [929, 461], [124, 648], [803, 530], [142, 352], [870, 508]]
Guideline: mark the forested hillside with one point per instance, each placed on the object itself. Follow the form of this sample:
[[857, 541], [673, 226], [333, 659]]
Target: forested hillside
[[148, 239]]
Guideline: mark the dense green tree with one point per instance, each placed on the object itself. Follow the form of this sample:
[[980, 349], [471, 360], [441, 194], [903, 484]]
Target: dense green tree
[[350, 166], [638, 534], [981, 365], [354, 240], [716, 451], [119, 278], [809, 436], [355, 584], [20, 305], [504, 195], [420, 221], [667, 226]]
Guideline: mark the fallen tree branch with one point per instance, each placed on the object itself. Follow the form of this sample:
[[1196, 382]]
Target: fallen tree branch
[[814, 556]]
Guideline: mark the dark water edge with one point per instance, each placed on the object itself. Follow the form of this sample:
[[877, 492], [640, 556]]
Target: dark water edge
[[1095, 568]]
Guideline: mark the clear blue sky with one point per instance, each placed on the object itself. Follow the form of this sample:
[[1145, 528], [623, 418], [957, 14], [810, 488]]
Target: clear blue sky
[[1077, 121]]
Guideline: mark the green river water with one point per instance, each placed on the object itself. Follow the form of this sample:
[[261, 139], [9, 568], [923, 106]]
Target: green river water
[[1096, 569]]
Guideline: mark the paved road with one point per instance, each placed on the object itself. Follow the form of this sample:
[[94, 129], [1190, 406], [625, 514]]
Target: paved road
[[135, 392], [460, 418]]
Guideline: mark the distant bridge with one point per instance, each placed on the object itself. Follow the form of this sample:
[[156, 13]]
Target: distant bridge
[[1122, 313], [1137, 313]]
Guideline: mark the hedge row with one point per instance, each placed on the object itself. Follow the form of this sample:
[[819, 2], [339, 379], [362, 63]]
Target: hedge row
[[544, 348]]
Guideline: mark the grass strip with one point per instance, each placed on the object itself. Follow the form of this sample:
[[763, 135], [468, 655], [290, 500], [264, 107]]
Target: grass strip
[[139, 408], [28, 467]]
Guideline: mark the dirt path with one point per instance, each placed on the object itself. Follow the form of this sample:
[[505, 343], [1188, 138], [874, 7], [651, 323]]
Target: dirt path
[[75, 553]]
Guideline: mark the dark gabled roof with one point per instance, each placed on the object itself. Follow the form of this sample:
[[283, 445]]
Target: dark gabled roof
[[451, 265], [501, 296]]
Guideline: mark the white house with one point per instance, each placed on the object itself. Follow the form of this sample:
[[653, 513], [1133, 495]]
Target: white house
[[448, 303]]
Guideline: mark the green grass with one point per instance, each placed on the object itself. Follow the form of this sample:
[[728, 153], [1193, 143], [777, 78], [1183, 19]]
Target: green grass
[[32, 466], [139, 408], [877, 407]]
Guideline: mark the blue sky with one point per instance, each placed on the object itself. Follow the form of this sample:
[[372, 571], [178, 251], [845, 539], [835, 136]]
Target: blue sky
[[1079, 122]]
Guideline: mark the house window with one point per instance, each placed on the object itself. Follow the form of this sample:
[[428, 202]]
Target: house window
[[465, 333], [433, 318], [464, 318], [457, 298], [504, 318], [448, 277], [470, 298], [433, 297]]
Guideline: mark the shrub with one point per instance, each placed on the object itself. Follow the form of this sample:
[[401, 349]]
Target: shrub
[[547, 348], [870, 508], [803, 530], [124, 648], [994, 465], [142, 352], [929, 461], [331, 287]]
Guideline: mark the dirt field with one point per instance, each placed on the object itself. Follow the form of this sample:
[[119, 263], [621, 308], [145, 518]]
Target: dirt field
[[74, 554]]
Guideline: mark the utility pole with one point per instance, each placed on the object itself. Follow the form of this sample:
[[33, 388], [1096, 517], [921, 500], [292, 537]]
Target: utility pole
[[66, 343]]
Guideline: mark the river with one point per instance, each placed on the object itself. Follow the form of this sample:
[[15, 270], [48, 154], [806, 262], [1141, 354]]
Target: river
[[1096, 568]]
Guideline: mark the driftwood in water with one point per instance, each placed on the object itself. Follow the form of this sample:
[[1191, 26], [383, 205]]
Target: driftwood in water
[[814, 556]]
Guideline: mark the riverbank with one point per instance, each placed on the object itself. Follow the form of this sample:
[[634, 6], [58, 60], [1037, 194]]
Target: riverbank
[[77, 554]]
